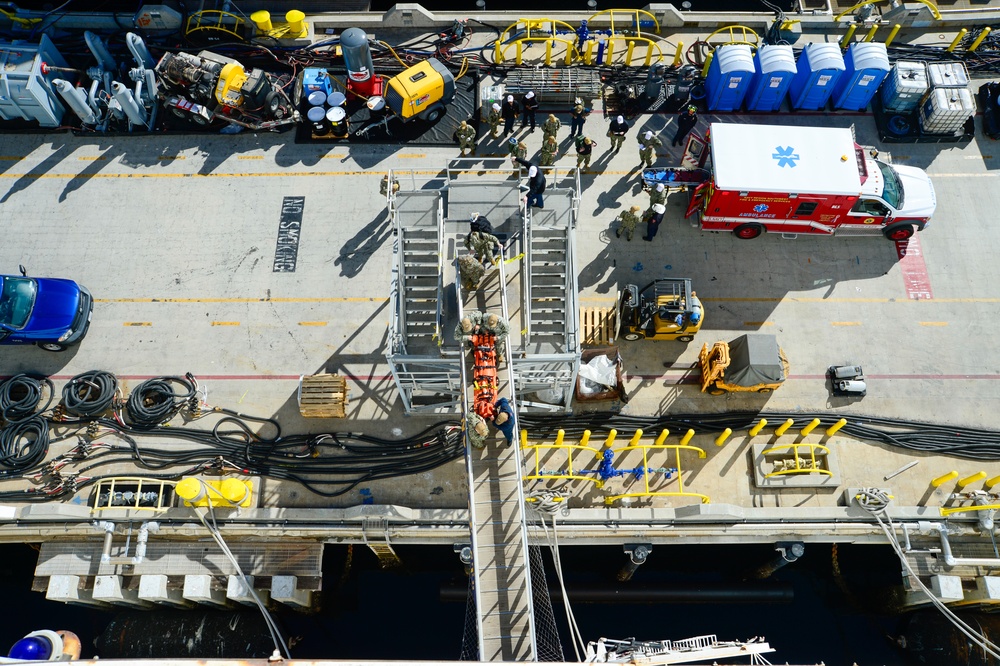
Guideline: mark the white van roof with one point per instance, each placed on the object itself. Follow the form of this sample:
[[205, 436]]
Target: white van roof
[[784, 158]]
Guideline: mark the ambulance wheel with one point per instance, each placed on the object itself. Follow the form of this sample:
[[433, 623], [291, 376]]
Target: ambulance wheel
[[765, 390], [748, 231], [632, 337], [686, 338], [716, 391], [898, 232]]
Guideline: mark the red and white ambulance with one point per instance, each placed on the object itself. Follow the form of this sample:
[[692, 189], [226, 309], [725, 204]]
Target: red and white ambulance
[[804, 180]]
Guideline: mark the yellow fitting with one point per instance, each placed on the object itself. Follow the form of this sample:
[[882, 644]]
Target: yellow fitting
[[810, 427], [678, 53], [835, 427], [524, 438], [959, 37], [262, 20], [989, 483], [892, 34], [611, 438], [636, 437], [588, 56], [628, 53], [723, 436], [754, 431], [969, 480], [687, 437], [585, 438], [943, 479], [560, 434], [848, 36], [979, 40], [780, 430], [296, 22], [548, 52], [871, 34], [663, 437]]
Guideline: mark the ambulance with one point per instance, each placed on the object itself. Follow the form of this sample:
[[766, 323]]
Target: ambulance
[[804, 180]]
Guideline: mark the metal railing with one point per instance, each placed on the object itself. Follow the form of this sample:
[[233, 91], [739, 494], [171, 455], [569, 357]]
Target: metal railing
[[812, 467], [646, 469]]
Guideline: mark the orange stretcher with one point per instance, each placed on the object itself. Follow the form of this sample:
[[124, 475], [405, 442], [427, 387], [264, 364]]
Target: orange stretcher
[[484, 375]]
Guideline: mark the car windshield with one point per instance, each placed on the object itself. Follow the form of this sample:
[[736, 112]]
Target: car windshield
[[892, 191], [16, 300]]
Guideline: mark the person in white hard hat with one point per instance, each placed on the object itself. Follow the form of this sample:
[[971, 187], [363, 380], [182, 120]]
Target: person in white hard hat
[[494, 120], [529, 105], [616, 132], [509, 111], [653, 223]]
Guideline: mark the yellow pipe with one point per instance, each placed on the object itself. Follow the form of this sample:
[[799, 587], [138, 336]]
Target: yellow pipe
[[687, 437], [754, 431], [611, 438], [780, 430], [954, 43], [809, 428], [628, 52], [991, 482], [831, 431], [585, 438], [636, 437], [678, 53], [666, 433], [848, 36], [548, 52], [524, 439], [979, 40], [871, 34], [588, 56], [969, 480], [518, 55], [892, 34], [560, 435], [943, 479], [723, 436]]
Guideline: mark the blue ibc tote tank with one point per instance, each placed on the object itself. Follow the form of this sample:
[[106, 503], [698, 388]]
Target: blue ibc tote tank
[[818, 70], [769, 85], [867, 66], [729, 77]]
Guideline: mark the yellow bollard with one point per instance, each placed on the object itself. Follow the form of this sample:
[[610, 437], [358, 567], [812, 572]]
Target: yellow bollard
[[708, 63], [969, 480], [262, 20], [892, 34], [548, 52], [979, 40], [636, 437], [628, 53], [666, 433], [871, 34], [610, 53], [235, 491], [296, 22], [959, 37], [991, 482], [754, 431], [497, 52], [569, 55], [943, 479], [649, 56], [560, 434], [611, 438], [687, 437], [524, 438], [190, 489], [810, 427], [780, 430], [588, 56], [835, 427], [848, 36], [518, 55], [678, 53], [585, 438], [723, 436]]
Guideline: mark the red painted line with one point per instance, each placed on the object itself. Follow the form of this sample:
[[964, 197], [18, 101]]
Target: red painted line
[[227, 378], [914, 269], [697, 379]]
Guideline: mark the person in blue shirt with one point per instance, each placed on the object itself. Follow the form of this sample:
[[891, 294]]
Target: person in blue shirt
[[504, 419]]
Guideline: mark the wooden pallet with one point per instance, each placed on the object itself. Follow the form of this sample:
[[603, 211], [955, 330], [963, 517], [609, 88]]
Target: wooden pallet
[[323, 396], [597, 326]]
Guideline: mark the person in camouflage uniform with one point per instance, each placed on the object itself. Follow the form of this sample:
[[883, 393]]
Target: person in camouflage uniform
[[383, 186], [647, 151], [494, 120], [584, 151], [470, 271], [627, 221], [466, 138], [499, 327], [658, 195], [550, 151], [550, 127], [470, 325], [482, 245], [519, 150], [476, 429]]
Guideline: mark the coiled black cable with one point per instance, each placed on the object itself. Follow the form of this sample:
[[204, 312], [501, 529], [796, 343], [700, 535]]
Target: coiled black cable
[[23, 446], [90, 394], [155, 401], [20, 396]]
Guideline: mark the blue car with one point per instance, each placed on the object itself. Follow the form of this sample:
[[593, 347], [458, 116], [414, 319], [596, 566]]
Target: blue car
[[52, 313]]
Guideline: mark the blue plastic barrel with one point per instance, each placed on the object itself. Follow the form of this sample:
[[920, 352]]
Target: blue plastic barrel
[[867, 65], [818, 69], [769, 85], [729, 77]]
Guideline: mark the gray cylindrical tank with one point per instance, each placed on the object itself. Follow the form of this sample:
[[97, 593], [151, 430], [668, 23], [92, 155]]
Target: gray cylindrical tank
[[357, 54], [76, 99]]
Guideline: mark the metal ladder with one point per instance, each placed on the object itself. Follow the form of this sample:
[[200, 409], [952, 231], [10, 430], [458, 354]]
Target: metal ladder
[[547, 256], [420, 266]]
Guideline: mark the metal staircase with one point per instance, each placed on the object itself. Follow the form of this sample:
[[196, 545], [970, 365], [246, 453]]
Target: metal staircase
[[548, 251]]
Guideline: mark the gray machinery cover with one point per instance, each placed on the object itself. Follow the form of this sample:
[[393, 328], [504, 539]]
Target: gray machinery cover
[[754, 359]]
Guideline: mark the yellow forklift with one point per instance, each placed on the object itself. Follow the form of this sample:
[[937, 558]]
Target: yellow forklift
[[665, 309], [751, 362]]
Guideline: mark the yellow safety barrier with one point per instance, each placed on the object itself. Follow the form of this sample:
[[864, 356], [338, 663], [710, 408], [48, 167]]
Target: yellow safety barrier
[[783, 428], [647, 490], [969, 480], [209, 20], [721, 439], [979, 40], [964, 509], [959, 37], [800, 468], [738, 34], [633, 16], [754, 431], [850, 10], [570, 473], [131, 492], [535, 31], [892, 34], [943, 479], [832, 430]]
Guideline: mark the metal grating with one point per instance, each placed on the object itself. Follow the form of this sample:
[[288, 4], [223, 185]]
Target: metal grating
[[555, 85]]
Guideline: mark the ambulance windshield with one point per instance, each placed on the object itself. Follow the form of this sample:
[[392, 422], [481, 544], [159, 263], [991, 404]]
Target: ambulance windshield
[[892, 190]]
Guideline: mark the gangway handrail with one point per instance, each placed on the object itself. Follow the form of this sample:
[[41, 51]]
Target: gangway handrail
[[438, 335]]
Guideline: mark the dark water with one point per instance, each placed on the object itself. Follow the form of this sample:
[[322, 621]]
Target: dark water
[[368, 613]]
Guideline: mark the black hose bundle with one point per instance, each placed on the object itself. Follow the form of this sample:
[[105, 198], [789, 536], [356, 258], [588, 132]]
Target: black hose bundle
[[155, 401], [20, 395], [90, 394], [23, 446]]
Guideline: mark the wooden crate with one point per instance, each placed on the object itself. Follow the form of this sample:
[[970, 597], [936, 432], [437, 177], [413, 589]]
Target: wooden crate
[[323, 396], [597, 326]]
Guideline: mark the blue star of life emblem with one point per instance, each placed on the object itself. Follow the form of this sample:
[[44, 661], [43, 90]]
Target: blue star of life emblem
[[760, 208], [785, 156]]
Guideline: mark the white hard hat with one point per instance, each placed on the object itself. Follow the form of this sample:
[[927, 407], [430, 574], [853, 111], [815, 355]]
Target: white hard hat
[[659, 187], [496, 107], [659, 209], [619, 119], [529, 94], [510, 98], [532, 171], [648, 135]]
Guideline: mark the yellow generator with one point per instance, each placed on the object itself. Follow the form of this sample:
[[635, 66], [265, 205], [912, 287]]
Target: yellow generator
[[422, 91]]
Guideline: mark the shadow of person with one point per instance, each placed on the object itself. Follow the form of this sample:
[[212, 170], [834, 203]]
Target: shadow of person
[[355, 252]]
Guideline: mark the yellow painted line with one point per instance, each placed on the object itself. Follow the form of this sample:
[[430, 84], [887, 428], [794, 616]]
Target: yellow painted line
[[171, 157], [333, 156], [137, 323], [411, 156], [964, 175], [312, 323], [758, 323], [92, 159], [933, 323], [12, 158], [250, 157], [263, 174], [225, 323], [331, 299], [845, 323]]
